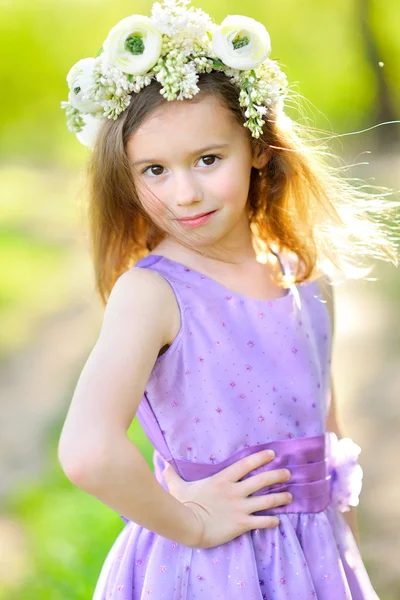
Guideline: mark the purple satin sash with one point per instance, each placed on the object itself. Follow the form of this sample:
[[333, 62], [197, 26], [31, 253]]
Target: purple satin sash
[[304, 457]]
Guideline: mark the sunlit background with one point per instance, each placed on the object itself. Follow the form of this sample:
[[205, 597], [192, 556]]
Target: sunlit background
[[345, 58]]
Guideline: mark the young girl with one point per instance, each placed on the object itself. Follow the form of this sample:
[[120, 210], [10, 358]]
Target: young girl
[[212, 223]]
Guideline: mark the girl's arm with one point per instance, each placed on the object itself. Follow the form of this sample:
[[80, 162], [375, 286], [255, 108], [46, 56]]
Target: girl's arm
[[333, 422], [97, 455], [94, 449]]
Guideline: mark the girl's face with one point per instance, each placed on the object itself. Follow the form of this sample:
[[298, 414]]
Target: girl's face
[[190, 158]]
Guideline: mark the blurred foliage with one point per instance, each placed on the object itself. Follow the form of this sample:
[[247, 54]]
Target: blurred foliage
[[319, 44], [39, 247], [68, 532]]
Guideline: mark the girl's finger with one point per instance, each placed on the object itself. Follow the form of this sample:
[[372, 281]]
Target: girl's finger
[[257, 482], [266, 522], [244, 466], [267, 501]]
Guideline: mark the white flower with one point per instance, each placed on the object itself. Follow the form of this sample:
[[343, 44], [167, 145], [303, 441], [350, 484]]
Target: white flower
[[133, 45], [241, 42], [174, 19], [80, 80], [87, 136], [345, 473]]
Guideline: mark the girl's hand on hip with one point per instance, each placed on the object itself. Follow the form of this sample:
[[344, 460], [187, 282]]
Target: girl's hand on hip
[[220, 506]]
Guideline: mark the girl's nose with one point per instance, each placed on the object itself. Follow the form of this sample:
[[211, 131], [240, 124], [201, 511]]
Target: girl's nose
[[187, 189]]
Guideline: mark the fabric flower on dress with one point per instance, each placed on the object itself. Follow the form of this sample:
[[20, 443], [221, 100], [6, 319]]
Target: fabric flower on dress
[[345, 472]]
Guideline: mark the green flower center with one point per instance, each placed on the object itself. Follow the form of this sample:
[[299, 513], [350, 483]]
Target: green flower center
[[240, 40], [134, 44], [77, 90]]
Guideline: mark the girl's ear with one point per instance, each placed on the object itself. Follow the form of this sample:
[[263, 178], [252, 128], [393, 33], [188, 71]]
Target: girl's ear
[[261, 156]]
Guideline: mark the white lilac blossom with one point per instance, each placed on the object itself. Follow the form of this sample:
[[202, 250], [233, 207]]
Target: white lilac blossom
[[174, 46], [241, 42], [345, 473]]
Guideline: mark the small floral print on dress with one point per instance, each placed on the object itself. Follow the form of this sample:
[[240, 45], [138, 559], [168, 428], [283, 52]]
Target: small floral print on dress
[[270, 304], [217, 343], [174, 404], [200, 359], [314, 405], [196, 420], [228, 297], [163, 568], [261, 582], [294, 398], [297, 423], [283, 533], [223, 323], [242, 396], [189, 448], [250, 343], [120, 587], [290, 435], [187, 569], [326, 576], [294, 350], [188, 287], [260, 418], [218, 410], [216, 560], [139, 562], [282, 581], [187, 269], [260, 315], [201, 578], [241, 584], [274, 389], [232, 384], [187, 372], [249, 367], [212, 458], [148, 592]]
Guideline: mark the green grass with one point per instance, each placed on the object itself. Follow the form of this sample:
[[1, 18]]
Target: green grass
[[68, 532]]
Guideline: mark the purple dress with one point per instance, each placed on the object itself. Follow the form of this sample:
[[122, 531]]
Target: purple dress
[[241, 375]]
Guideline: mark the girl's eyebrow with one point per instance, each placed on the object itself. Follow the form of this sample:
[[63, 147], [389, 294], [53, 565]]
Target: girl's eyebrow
[[195, 153]]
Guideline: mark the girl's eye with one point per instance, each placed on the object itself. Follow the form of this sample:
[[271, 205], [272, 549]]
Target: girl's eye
[[209, 160], [154, 170]]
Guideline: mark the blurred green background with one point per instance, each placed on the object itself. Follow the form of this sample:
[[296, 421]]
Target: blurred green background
[[54, 538]]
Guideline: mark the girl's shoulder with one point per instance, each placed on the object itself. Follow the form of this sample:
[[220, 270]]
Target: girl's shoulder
[[145, 290]]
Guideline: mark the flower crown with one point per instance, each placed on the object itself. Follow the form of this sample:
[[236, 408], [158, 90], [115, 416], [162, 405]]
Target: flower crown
[[173, 46]]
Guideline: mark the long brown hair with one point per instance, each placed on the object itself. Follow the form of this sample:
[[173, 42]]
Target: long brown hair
[[300, 203]]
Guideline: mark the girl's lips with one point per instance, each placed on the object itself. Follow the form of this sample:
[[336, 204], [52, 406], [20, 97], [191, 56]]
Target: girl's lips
[[197, 221]]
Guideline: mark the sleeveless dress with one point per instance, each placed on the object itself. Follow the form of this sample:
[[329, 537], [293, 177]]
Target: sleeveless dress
[[242, 375]]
